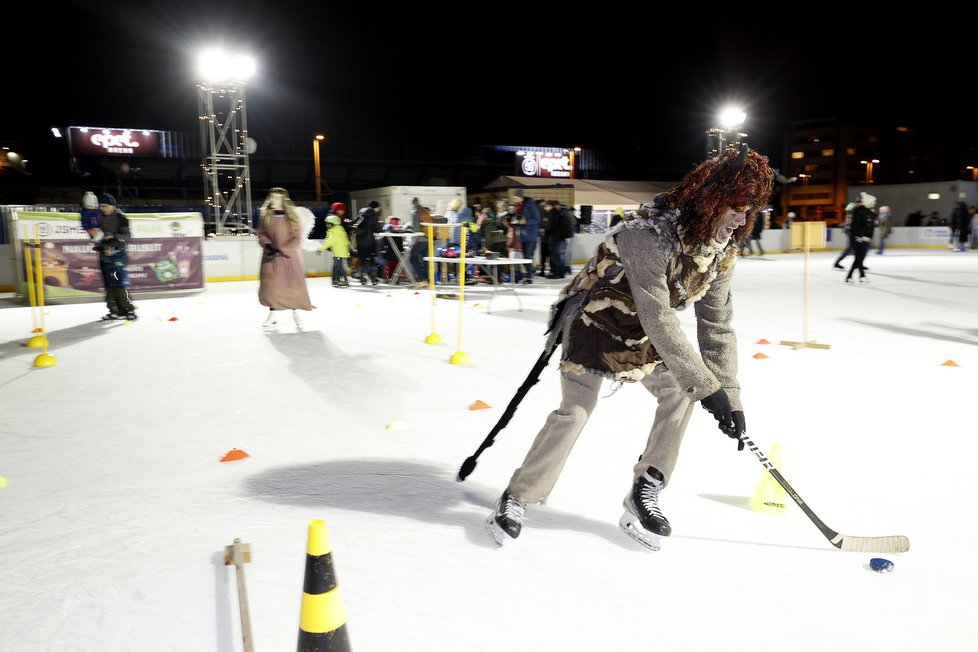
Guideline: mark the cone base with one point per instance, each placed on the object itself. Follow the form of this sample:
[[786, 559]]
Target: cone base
[[460, 358], [45, 360], [37, 342], [434, 338]]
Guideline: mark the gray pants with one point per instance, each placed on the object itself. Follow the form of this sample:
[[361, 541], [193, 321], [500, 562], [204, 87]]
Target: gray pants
[[535, 479]]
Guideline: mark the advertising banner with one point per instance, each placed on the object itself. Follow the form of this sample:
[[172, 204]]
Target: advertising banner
[[544, 164], [104, 141], [165, 252]]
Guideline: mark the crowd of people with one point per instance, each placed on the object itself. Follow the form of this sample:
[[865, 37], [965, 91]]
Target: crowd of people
[[510, 227]]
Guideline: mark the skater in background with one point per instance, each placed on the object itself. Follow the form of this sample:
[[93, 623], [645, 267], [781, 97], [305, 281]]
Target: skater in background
[[961, 226], [365, 228], [110, 233], [885, 224], [617, 320], [282, 278], [851, 206], [337, 241], [861, 234], [755, 235]]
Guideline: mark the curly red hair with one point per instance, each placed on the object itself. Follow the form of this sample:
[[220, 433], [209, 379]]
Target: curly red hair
[[737, 178]]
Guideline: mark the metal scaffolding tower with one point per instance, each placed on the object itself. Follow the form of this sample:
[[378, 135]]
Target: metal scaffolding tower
[[225, 143]]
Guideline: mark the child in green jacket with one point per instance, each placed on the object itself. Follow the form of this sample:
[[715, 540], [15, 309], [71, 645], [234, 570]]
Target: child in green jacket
[[337, 240]]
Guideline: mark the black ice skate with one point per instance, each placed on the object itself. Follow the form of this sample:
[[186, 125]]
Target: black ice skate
[[505, 523], [643, 520]]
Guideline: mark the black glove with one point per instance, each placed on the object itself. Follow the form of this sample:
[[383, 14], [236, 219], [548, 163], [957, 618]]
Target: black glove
[[272, 251], [731, 423], [718, 405], [738, 430]]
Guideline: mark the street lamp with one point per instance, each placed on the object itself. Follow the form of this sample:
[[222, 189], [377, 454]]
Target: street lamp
[[571, 153], [315, 158], [869, 169], [730, 118]]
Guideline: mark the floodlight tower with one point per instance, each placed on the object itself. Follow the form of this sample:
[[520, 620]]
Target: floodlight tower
[[718, 138], [224, 138]]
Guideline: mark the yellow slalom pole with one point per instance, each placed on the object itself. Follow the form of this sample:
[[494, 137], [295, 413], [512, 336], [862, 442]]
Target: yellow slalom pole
[[461, 357], [29, 268], [38, 339], [43, 360], [433, 337]]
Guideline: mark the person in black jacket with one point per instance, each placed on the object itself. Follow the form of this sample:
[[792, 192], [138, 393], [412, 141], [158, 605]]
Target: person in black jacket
[[366, 225], [113, 259], [861, 234]]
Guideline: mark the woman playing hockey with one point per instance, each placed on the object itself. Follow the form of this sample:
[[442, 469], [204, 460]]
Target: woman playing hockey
[[618, 320]]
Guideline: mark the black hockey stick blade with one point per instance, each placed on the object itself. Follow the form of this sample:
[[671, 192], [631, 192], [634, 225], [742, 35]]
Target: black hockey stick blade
[[886, 544]]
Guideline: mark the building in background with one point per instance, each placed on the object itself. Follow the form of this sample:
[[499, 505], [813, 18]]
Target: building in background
[[830, 157]]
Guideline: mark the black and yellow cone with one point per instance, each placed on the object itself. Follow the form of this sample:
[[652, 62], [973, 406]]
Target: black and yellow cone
[[770, 497], [322, 624]]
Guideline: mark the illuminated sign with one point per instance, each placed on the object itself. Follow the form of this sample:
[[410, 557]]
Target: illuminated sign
[[544, 164], [99, 141]]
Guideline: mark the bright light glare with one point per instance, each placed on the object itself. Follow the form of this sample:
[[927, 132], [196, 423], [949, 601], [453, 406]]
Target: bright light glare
[[218, 66], [732, 117]]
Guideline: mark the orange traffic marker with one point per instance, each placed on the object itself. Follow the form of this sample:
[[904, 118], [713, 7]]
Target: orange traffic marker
[[234, 454], [759, 356], [479, 405], [950, 363], [762, 341], [172, 319]]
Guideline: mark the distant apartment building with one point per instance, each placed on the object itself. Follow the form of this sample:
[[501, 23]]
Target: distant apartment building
[[828, 157]]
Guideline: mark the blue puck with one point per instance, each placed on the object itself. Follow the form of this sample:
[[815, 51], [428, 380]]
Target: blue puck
[[881, 565]]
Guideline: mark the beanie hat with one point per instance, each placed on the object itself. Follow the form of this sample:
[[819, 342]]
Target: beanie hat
[[374, 204], [518, 192], [106, 198], [89, 200], [333, 219], [337, 206]]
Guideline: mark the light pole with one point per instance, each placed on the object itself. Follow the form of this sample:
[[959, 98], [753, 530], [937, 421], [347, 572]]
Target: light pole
[[869, 170], [730, 118], [315, 158], [224, 137], [571, 153]]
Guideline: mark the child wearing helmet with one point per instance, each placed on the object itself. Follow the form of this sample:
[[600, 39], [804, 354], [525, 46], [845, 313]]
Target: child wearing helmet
[[338, 242]]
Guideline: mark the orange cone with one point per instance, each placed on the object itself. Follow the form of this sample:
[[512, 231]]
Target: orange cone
[[759, 356], [950, 363], [762, 341], [479, 405], [172, 319], [234, 454]]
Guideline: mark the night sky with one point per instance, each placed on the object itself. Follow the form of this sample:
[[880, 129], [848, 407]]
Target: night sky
[[619, 75]]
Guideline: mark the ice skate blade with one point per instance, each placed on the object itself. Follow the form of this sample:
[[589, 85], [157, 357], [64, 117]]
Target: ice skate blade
[[635, 531], [498, 535]]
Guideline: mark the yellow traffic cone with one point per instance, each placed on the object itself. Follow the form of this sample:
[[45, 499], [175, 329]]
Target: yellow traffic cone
[[770, 497], [322, 624]]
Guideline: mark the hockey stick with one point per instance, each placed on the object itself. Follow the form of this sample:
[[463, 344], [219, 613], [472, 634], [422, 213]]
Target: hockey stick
[[895, 543], [534, 376]]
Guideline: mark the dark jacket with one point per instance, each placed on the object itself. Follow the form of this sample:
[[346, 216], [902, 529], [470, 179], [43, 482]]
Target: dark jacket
[[863, 222], [116, 225], [364, 228]]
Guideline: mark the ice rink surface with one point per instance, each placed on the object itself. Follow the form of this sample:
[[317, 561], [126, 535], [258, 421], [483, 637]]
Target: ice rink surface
[[116, 510]]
